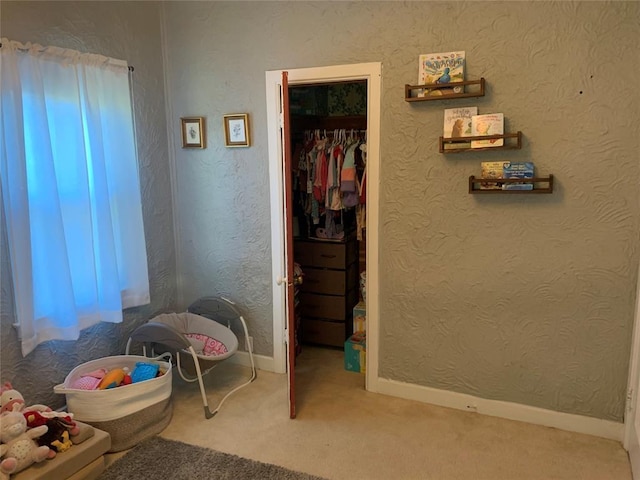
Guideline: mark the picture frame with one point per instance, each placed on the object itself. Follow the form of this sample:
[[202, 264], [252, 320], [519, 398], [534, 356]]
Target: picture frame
[[236, 130], [193, 132]]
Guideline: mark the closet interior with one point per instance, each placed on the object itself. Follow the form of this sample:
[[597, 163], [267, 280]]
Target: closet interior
[[329, 142]]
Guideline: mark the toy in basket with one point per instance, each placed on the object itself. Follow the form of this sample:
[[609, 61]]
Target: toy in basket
[[99, 393]]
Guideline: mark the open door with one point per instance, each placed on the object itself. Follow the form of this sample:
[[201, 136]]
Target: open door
[[632, 419], [288, 206], [277, 90]]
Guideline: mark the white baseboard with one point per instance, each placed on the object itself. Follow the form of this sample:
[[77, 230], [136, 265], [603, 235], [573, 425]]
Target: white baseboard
[[262, 362], [470, 403], [497, 408]]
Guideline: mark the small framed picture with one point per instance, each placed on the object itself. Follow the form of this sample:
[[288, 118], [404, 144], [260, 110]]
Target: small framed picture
[[193, 133], [236, 130]]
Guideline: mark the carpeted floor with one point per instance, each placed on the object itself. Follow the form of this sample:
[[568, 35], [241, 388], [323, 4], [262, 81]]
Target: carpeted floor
[[343, 432], [160, 459]]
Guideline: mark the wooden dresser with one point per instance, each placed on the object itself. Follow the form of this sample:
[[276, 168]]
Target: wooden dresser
[[329, 290]]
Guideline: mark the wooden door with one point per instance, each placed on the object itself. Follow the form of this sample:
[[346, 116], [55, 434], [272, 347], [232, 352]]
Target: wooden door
[[288, 215]]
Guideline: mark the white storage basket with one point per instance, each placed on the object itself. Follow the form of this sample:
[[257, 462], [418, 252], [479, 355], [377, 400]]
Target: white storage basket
[[130, 413]]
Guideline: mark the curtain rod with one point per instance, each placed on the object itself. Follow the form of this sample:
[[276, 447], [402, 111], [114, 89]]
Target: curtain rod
[[130, 67]]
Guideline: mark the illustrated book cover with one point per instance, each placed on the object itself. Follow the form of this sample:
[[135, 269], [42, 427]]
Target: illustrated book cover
[[518, 170], [457, 123], [487, 124], [445, 67], [492, 170]]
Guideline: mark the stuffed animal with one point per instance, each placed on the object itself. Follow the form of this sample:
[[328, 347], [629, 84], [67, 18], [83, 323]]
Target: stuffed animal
[[18, 445], [38, 415], [57, 437], [9, 397], [12, 401], [112, 379], [61, 428], [51, 419]]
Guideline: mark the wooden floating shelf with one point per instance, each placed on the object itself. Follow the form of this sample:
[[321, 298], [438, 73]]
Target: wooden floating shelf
[[473, 181], [452, 142], [408, 89]]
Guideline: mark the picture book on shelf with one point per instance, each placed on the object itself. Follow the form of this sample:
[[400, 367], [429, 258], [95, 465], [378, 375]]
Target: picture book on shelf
[[487, 124], [517, 170], [492, 170], [447, 67], [457, 121]]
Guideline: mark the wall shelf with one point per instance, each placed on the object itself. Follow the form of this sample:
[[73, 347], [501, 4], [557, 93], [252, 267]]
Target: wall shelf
[[475, 188], [479, 92], [448, 145]]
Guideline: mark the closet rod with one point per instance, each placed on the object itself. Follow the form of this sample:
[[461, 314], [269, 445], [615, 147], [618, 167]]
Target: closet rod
[[328, 133]]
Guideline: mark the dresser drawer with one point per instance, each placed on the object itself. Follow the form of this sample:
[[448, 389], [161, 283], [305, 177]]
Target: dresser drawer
[[325, 254], [328, 282], [329, 255], [323, 306], [325, 333]]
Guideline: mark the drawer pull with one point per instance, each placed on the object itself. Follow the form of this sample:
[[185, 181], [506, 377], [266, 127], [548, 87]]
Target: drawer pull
[[324, 255]]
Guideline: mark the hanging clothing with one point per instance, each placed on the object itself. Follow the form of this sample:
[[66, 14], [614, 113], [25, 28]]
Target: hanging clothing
[[330, 179], [348, 179], [334, 200], [362, 186]]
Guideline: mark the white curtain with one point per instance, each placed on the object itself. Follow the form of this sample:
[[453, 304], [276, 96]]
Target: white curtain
[[70, 190]]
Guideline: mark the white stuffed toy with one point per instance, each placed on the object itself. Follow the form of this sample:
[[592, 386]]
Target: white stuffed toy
[[18, 446], [12, 401]]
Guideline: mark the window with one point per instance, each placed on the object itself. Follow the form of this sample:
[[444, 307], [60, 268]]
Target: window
[[70, 190]]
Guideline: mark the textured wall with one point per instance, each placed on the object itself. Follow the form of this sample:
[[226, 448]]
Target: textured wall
[[130, 31], [526, 299]]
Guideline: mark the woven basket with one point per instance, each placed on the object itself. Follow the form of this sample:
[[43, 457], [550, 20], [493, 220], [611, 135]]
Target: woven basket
[[130, 413]]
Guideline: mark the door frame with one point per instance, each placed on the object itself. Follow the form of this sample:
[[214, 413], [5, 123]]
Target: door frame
[[631, 440], [372, 73]]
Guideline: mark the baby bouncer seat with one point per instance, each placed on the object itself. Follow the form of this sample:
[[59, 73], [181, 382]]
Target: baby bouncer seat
[[203, 335]]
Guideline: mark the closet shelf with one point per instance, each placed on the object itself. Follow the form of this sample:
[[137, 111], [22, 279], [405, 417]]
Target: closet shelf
[[478, 86], [511, 141], [313, 122], [475, 189], [323, 240]]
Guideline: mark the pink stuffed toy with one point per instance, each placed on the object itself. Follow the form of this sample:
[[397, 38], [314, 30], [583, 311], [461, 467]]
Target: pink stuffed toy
[[12, 401]]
